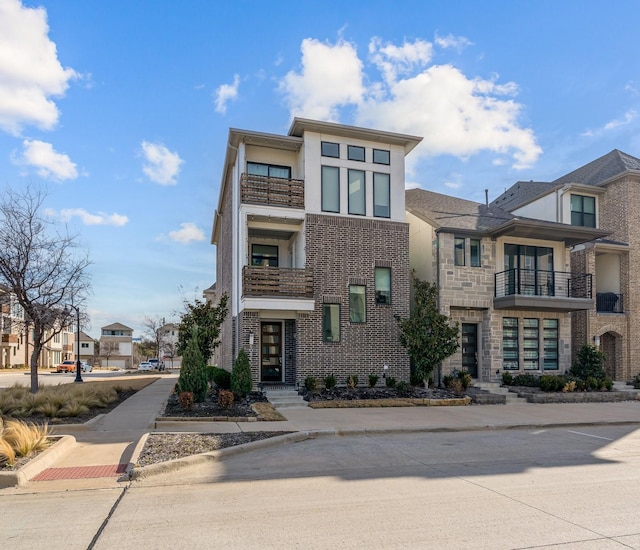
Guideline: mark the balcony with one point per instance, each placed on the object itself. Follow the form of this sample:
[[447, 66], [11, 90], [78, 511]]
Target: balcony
[[287, 193], [9, 339], [543, 290], [609, 302], [276, 282]]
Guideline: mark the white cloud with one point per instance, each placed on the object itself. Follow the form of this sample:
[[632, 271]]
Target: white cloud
[[48, 163], [457, 115], [226, 93], [161, 165], [30, 73], [451, 41], [627, 118], [188, 233], [66, 214], [331, 77]]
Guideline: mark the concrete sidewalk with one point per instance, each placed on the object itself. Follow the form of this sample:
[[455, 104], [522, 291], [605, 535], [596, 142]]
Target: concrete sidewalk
[[104, 448]]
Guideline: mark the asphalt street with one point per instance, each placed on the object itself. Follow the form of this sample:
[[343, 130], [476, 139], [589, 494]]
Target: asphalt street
[[547, 488]]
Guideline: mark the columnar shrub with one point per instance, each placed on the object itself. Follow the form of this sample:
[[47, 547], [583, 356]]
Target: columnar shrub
[[193, 373], [330, 381], [373, 380], [311, 383], [390, 382], [589, 363], [241, 383]]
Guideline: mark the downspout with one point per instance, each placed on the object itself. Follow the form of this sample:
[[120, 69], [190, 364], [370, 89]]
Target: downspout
[[438, 286]]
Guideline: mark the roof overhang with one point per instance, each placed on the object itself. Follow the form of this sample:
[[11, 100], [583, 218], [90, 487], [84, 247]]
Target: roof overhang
[[549, 231]]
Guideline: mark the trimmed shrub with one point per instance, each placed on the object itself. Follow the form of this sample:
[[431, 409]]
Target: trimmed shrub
[[525, 380], [507, 378], [221, 378], [193, 373], [403, 388], [311, 383], [373, 380], [551, 382], [390, 382], [589, 364], [225, 399], [329, 381], [352, 381], [607, 384], [241, 382], [636, 382], [186, 400]]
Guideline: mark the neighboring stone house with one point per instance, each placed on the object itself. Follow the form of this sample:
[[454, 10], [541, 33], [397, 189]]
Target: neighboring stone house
[[506, 279], [603, 194], [116, 346], [313, 252]]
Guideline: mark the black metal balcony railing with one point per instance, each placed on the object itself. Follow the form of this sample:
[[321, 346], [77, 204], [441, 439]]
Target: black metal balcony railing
[[288, 193], [609, 302], [277, 282], [531, 282]]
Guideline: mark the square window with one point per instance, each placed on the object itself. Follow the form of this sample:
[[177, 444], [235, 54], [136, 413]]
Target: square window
[[357, 304], [356, 192], [331, 322], [355, 152], [330, 149], [380, 156], [330, 189], [381, 195], [458, 251], [583, 211], [383, 285]]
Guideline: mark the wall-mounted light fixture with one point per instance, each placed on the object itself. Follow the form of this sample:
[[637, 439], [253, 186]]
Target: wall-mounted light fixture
[[596, 341], [251, 338]]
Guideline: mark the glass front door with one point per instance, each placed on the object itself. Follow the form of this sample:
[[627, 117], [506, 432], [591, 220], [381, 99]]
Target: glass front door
[[271, 352], [470, 349]]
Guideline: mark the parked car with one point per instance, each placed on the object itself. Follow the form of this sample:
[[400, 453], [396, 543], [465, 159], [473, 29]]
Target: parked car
[[86, 367], [156, 364], [145, 366], [66, 366]]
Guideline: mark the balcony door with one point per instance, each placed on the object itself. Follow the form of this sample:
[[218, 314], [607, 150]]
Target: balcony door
[[271, 352], [530, 269]]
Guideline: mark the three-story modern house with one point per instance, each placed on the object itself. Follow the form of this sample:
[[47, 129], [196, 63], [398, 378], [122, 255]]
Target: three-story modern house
[[313, 251]]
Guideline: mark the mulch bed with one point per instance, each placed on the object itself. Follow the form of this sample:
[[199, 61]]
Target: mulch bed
[[211, 408], [348, 394]]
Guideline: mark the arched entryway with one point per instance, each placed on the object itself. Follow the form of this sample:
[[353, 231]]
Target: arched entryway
[[610, 346]]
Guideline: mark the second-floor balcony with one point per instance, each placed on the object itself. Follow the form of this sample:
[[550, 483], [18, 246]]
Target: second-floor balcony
[[287, 193], [9, 338], [609, 302], [543, 290], [276, 282]]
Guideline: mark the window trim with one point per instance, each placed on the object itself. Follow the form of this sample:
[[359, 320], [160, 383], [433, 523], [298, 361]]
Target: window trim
[[325, 153], [364, 304]]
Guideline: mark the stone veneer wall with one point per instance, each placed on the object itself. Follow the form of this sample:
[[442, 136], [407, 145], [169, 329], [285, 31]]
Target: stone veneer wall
[[224, 272], [341, 251]]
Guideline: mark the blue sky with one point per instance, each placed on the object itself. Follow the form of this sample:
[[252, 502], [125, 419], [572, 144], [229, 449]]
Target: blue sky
[[121, 109]]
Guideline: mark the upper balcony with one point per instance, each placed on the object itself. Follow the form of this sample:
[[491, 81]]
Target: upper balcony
[[276, 282], [270, 191], [9, 339], [543, 290], [609, 302]]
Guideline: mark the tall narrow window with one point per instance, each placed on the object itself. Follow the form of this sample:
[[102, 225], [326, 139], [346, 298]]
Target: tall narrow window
[[356, 192], [458, 251], [530, 338], [355, 152], [381, 195], [330, 189], [550, 343], [583, 211], [357, 304], [383, 285], [380, 156], [510, 359], [331, 322], [474, 252], [330, 149]]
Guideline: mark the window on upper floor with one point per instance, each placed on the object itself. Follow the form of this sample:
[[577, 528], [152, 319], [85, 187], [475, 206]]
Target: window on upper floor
[[381, 195], [460, 255], [355, 152], [330, 189], [268, 170], [84, 345], [583, 211], [264, 254], [357, 202], [383, 285], [331, 322], [357, 303], [380, 156], [329, 149], [474, 252], [458, 251]]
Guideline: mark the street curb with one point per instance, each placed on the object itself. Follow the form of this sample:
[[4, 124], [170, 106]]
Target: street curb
[[44, 460]]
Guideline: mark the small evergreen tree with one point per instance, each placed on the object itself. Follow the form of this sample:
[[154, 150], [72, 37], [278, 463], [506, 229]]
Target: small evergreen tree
[[241, 382], [193, 373], [589, 363], [427, 334], [208, 319]]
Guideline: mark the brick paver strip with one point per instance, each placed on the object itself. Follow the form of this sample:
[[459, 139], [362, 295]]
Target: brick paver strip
[[81, 472]]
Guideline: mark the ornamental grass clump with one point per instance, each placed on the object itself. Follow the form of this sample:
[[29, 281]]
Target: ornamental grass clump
[[21, 439]]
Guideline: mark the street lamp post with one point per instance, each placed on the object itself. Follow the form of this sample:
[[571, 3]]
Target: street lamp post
[[78, 368]]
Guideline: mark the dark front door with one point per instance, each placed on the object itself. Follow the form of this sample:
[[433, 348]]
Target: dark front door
[[470, 349], [271, 352]]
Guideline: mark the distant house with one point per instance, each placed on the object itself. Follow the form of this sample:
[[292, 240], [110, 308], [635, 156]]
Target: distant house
[[168, 338], [87, 348], [116, 346]]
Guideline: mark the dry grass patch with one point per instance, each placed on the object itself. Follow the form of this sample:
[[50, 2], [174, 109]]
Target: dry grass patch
[[21, 439], [266, 412]]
